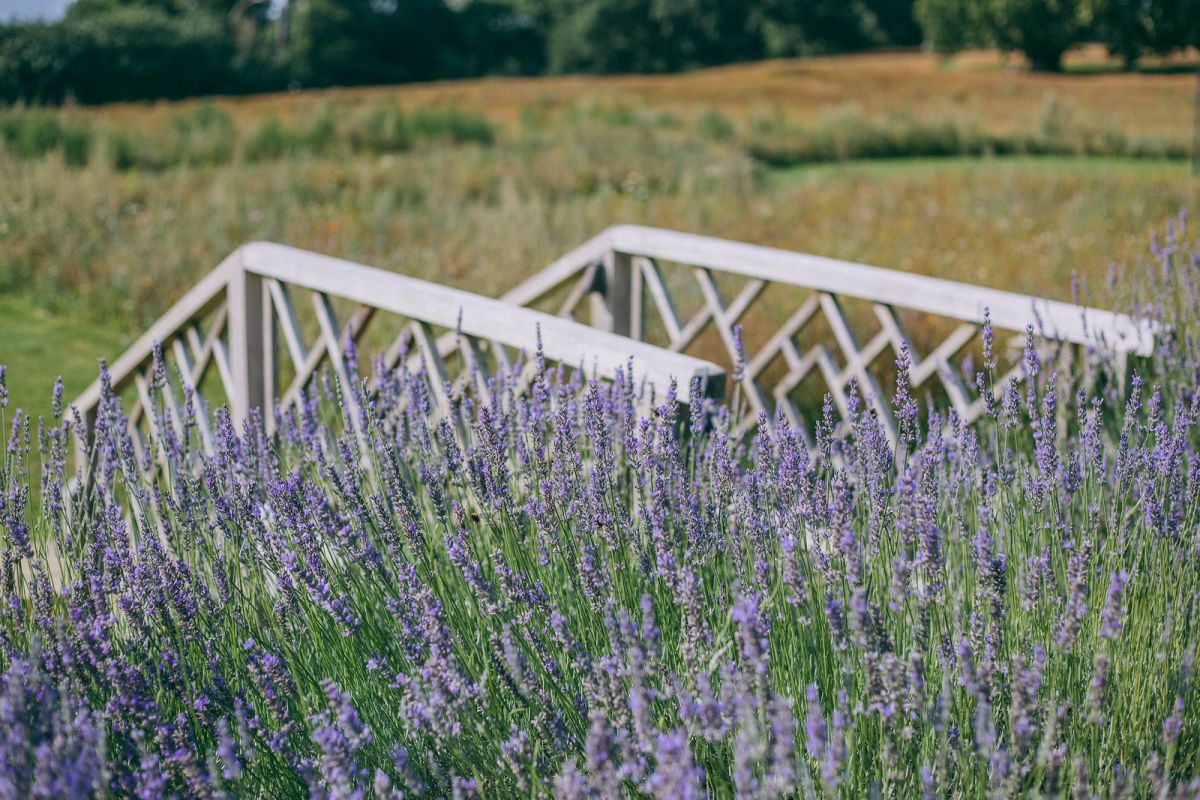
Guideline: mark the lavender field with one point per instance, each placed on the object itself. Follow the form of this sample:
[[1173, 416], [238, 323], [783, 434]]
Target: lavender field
[[546, 593]]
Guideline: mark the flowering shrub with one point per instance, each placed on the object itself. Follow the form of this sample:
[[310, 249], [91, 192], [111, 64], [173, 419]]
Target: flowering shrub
[[549, 593]]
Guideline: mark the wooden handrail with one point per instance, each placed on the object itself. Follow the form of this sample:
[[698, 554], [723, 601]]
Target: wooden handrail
[[619, 272], [250, 285], [563, 341], [952, 299]]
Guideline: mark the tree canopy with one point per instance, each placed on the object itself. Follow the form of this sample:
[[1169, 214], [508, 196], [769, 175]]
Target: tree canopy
[[104, 50]]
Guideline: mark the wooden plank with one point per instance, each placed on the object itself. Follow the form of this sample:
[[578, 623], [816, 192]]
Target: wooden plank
[[335, 340], [543, 282], [563, 341], [304, 373], [293, 337], [855, 365], [246, 345], [203, 349], [198, 301], [151, 415], [578, 292], [1009, 310], [270, 360], [477, 365], [618, 268], [637, 302], [662, 298], [435, 367], [190, 370]]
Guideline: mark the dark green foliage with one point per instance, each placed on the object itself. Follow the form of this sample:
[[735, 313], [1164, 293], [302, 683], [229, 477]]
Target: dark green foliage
[[493, 38], [952, 25], [131, 52], [1043, 30], [106, 50], [347, 42], [34, 62], [1130, 28]]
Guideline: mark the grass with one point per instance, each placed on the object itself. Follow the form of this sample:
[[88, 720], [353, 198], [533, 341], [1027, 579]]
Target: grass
[[37, 346], [243, 631], [480, 183], [536, 594], [1061, 166], [971, 85], [138, 240]]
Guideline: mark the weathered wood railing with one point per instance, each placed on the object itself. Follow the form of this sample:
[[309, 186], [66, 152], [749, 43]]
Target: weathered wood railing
[[233, 317], [635, 282], [624, 273]]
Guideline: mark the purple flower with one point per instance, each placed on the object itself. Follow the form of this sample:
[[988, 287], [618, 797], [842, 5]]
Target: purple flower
[[675, 774], [1113, 613]]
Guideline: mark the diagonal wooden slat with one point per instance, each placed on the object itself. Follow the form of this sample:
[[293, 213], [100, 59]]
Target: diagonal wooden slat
[[653, 282], [192, 372], [948, 349], [431, 360], [288, 321], [316, 356], [855, 366], [334, 345], [782, 339], [578, 292]]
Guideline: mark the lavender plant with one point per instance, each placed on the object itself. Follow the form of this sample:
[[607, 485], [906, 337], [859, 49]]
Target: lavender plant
[[548, 593]]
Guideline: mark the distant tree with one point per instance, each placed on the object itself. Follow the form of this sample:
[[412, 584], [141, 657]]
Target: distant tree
[[609, 36], [820, 26], [132, 52], [1131, 28], [1041, 29], [953, 25], [35, 59], [494, 38], [348, 42], [895, 22]]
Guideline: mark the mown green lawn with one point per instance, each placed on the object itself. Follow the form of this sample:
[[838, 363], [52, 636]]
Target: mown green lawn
[[38, 346], [1046, 165]]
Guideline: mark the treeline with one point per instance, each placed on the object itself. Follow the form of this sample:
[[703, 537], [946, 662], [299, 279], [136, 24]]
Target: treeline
[[1045, 29], [108, 50]]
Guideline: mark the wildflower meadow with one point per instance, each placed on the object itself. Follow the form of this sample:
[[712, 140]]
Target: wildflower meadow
[[567, 588]]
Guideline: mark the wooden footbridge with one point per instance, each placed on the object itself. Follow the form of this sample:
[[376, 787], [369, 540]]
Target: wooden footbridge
[[672, 303]]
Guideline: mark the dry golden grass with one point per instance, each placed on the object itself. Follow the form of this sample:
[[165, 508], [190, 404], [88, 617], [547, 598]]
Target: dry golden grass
[[980, 85]]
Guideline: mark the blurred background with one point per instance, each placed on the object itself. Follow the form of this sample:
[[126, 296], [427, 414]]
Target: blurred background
[[1028, 145]]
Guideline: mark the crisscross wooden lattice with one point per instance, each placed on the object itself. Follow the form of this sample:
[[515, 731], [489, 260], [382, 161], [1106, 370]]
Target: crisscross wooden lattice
[[667, 300], [811, 336], [238, 316]]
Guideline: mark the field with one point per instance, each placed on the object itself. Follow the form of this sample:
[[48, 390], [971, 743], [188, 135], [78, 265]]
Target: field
[[482, 182], [539, 594]]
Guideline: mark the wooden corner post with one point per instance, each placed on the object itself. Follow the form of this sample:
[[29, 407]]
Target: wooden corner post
[[247, 344], [618, 285]]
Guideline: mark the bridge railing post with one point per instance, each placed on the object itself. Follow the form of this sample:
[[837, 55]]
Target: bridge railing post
[[246, 300], [613, 304]]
